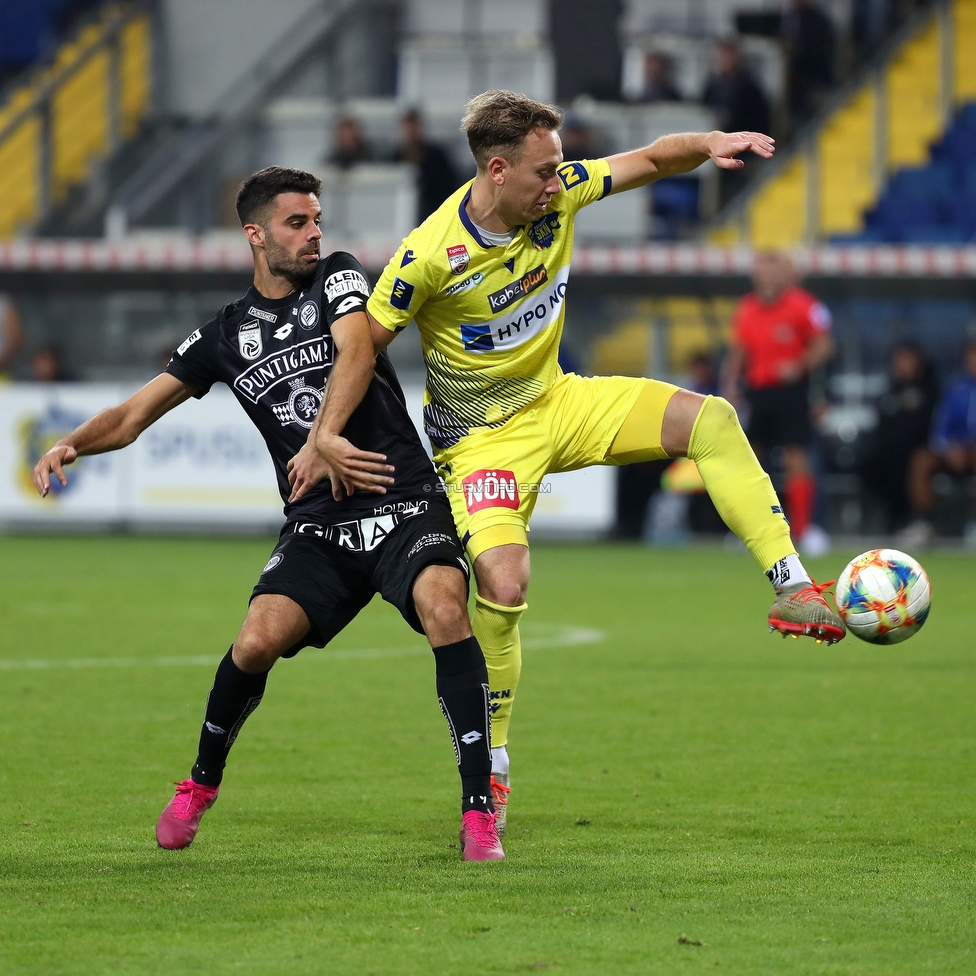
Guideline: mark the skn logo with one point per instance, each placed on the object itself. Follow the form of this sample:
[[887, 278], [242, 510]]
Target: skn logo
[[490, 489]]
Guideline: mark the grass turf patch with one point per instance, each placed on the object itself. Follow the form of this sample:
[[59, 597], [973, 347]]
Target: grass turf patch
[[690, 793]]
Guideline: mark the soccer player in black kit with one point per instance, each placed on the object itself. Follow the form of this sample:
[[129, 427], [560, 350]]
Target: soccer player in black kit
[[297, 353]]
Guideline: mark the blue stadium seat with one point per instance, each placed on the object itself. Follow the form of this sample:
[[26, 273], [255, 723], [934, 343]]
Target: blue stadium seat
[[29, 30]]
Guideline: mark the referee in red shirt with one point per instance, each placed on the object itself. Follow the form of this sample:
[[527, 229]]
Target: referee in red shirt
[[780, 334]]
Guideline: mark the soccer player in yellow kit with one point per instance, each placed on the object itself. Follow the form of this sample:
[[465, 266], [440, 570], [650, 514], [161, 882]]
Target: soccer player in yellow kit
[[485, 279]]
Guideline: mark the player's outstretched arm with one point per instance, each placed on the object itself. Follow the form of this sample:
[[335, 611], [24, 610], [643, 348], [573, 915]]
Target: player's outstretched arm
[[327, 454], [682, 152], [111, 429]]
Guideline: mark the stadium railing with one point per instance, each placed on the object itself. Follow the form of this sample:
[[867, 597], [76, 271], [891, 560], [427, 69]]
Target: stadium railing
[[76, 112]]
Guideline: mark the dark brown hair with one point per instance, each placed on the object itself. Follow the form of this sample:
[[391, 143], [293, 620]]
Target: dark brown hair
[[497, 123], [259, 190]]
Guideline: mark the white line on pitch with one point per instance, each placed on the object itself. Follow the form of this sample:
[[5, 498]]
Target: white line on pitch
[[560, 637]]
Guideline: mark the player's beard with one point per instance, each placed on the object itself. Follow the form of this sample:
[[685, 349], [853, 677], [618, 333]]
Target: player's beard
[[291, 267]]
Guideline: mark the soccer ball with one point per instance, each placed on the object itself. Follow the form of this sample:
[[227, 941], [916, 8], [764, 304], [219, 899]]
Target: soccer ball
[[884, 596]]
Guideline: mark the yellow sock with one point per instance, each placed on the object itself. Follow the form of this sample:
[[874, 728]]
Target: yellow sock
[[497, 631], [737, 484]]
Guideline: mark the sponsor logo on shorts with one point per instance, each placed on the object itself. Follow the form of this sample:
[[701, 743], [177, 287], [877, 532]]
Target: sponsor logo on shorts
[[517, 290], [262, 314], [402, 294], [308, 316], [364, 535], [344, 282], [431, 539], [273, 563], [471, 282], [189, 342], [249, 340], [490, 488], [458, 258]]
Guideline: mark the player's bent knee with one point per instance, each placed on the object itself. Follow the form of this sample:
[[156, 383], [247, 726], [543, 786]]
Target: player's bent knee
[[445, 621], [503, 592], [257, 648]]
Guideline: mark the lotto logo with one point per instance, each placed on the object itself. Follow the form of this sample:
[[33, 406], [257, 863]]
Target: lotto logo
[[490, 489]]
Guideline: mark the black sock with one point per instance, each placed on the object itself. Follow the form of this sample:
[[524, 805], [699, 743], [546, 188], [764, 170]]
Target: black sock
[[462, 690], [235, 694]]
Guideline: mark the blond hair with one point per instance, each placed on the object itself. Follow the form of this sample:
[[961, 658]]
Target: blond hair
[[497, 123]]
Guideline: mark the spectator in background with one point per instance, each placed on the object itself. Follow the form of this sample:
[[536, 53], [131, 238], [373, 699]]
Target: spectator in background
[[951, 448], [733, 93], [904, 418], [437, 178], [659, 79], [47, 366], [577, 139], [701, 374], [809, 39], [349, 146], [11, 335], [781, 334]]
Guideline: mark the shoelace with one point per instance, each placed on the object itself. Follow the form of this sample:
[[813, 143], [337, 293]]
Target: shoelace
[[499, 792], [482, 829], [190, 798], [813, 591]]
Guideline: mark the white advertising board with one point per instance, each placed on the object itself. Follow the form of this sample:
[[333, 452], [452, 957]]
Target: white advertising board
[[204, 462], [32, 417], [203, 465]]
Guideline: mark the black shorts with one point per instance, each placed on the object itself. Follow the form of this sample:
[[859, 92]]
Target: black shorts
[[332, 582], [779, 416]]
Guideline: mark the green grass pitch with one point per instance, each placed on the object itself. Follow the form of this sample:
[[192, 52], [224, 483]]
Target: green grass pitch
[[691, 794]]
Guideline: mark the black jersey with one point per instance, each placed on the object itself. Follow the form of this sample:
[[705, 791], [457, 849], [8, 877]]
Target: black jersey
[[276, 356]]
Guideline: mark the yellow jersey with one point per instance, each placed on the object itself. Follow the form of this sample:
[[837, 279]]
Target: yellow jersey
[[490, 315]]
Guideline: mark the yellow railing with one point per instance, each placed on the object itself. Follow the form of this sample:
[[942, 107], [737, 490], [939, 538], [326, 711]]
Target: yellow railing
[[73, 114], [886, 123]]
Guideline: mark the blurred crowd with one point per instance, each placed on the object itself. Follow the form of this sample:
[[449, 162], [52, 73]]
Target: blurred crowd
[[43, 364], [774, 372], [436, 176]]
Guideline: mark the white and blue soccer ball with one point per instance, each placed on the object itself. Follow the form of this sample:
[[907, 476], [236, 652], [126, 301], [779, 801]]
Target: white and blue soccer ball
[[883, 596]]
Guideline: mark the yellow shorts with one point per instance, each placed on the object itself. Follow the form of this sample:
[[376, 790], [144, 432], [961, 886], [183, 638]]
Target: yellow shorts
[[493, 476]]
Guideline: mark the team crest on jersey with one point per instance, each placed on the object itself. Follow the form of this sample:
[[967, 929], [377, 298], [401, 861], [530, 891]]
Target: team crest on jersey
[[542, 232], [458, 258], [490, 489], [308, 316], [302, 405], [249, 340]]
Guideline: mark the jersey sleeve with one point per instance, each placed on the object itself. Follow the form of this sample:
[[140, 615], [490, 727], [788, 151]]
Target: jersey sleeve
[[195, 361], [583, 181], [401, 289], [346, 287]]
